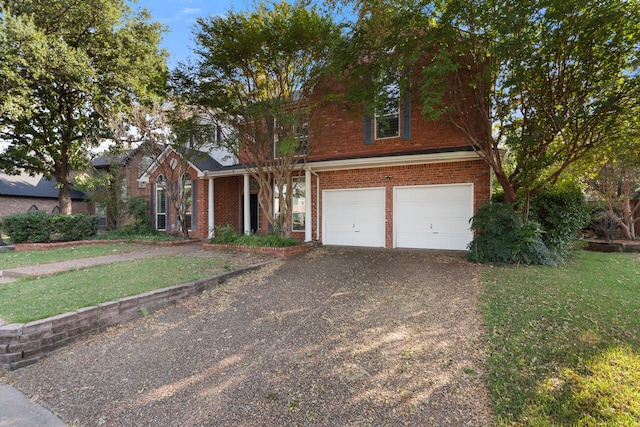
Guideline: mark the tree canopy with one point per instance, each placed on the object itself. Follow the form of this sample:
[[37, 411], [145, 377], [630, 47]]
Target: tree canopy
[[546, 80], [255, 72], [64, 66]]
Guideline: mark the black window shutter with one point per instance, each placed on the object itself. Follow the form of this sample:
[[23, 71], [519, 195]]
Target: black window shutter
[[406, 116], [368, 130], [152, 203], [194, 205]]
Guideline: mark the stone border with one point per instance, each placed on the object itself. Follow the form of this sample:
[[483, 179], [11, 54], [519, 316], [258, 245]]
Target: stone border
[[23, 344], [600, 246], [282, 253]]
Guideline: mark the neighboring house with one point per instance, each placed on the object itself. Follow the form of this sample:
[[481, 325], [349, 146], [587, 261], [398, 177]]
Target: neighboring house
[[22, 193], [408, 184], [128, 167]]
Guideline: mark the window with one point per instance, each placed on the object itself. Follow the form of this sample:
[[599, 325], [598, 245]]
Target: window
[[187, 201], [161, 203], [298, 127], [298, 201], [101, 214], [387, 119]]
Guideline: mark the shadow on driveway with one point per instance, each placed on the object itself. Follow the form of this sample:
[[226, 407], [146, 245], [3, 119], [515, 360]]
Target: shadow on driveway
[[337, 337]]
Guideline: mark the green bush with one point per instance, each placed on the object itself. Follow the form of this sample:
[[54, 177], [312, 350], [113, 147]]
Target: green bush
[[224, 236], [32, 226], [74, 227], [228, 236], [143, 224], [562, 213], [501, 238]]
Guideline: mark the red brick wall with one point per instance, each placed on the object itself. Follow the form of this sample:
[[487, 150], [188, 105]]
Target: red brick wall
[[476, 172], [228, 202], [14, 205]]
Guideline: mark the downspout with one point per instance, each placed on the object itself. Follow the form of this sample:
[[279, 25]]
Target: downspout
[[317, 202]]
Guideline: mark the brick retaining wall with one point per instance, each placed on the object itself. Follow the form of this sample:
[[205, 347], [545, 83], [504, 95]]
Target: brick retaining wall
[[22, 344]]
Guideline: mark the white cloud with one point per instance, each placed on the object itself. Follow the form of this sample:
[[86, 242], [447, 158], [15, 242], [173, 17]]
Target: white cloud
[[190, 11]]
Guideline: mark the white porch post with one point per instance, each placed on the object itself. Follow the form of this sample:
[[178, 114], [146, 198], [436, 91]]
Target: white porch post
[[247, 206], [307, 206], [211, 205]]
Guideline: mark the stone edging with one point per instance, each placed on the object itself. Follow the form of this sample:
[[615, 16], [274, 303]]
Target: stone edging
[[599, 246], [283, 253], [23, 344]]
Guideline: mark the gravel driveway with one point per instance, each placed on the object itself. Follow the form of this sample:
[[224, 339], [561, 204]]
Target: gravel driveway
[[335, 337]]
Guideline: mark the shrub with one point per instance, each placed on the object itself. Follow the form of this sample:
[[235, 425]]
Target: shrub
[[139, 208], [562, 213], [74, 227], [32, 226], [224, 236], [502, 238]]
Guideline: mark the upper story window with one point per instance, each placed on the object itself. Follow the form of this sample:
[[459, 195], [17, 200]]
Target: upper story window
[[298, 127], [387, 118]]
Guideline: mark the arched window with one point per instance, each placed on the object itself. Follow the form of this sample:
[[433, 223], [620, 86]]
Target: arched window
[[187, 200], [161, 203]]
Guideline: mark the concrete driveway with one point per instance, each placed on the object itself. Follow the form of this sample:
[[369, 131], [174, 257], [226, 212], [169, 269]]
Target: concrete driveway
[[335, 337]]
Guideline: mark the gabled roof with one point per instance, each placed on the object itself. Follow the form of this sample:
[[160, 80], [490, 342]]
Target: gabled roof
[[199, 160], [31, 186], [109, 159]]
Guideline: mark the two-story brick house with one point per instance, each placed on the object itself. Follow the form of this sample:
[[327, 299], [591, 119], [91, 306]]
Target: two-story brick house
[[408, 184]]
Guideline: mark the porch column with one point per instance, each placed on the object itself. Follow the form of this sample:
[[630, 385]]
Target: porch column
[[307, 206], [211, 205], [247, 206]]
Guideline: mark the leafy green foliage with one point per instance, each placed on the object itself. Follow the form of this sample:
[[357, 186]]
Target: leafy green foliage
[[74, 227], [562, 212], [228, 236], [63, 69], [142, 223], [38, 227], [502, 238], [33, 226]]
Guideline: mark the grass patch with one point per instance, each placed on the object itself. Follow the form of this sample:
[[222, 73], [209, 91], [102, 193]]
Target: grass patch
[[564, 342], [30, 299], [13, 259]]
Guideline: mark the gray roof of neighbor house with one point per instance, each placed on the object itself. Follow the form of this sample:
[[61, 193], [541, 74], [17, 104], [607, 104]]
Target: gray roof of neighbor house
[[109, 159], [37, 186]]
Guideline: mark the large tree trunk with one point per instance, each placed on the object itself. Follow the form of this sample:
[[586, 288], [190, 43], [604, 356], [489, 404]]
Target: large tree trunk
[[64, 198]]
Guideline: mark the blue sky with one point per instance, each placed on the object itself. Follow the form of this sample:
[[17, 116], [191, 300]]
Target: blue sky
[[180, 16]]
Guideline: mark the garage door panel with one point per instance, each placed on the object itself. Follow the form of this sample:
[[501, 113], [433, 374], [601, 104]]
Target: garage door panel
[[433, 217], [354, 217]]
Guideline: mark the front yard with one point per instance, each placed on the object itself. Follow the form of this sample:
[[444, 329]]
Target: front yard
[[564, 342]]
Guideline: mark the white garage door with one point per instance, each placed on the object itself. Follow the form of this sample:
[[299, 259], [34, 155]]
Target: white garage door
[[433, 216], [354, 217]]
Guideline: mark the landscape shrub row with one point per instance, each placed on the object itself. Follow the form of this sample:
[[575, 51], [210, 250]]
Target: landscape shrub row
[[228, 236], [40, 227]]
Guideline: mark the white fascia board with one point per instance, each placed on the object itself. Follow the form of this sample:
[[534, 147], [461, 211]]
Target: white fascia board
[[387, 161], [370, 162]]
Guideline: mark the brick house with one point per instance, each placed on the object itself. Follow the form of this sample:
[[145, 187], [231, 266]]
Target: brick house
[[408, 184], [21, 193]]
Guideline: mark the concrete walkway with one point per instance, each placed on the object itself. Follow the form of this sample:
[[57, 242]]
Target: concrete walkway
[[18, 411], [12, 274]]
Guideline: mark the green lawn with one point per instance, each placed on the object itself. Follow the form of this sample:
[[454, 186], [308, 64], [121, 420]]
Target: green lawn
[[13, 259], [565, 342], [35, 298]]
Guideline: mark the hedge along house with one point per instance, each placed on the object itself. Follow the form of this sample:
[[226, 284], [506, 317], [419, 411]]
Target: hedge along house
[[390, 180]]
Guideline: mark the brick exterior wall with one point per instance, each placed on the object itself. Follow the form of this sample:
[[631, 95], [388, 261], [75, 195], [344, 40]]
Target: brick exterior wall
[[228, 202], [476, 172], [14, 205]]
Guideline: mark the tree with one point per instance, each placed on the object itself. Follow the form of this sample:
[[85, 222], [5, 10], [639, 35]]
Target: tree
[[546, 80], [612, 175], [64, 66], [255, 72]]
